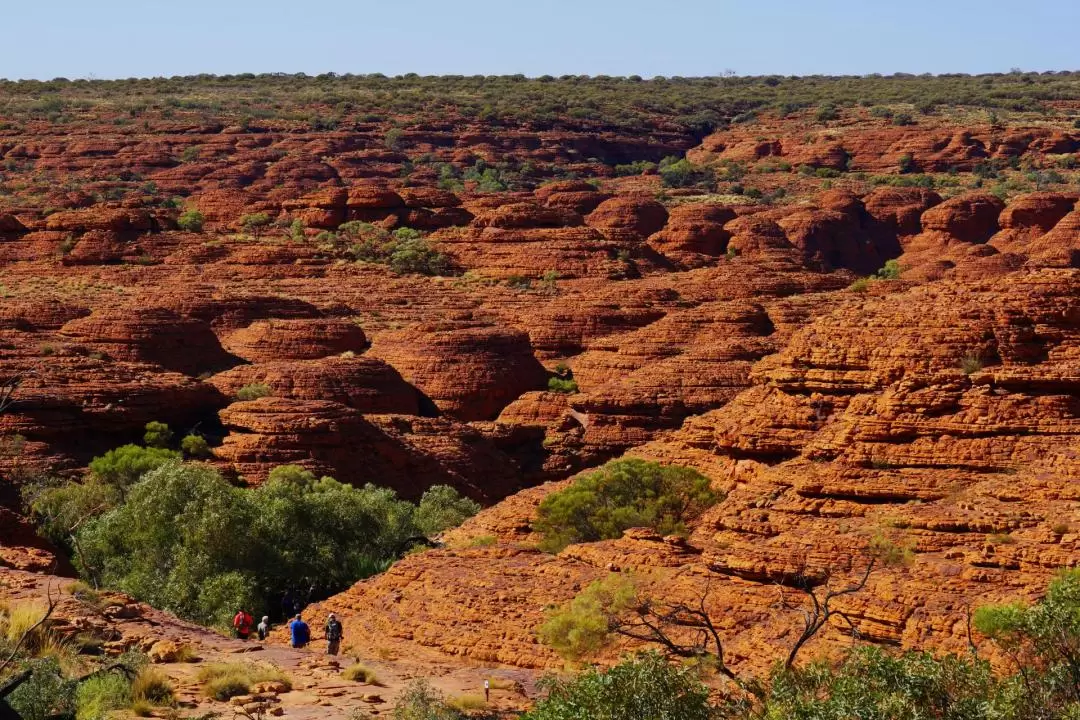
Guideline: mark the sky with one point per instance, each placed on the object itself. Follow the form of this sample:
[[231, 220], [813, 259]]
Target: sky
[[43, 39]]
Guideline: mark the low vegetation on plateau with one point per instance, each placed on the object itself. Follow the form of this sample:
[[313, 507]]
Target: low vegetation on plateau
[[697, 105]]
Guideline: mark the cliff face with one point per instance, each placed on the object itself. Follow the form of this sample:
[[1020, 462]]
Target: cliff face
[[937, 409]]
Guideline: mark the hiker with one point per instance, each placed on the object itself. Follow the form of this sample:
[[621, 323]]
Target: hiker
[[487, 690], [242, 624], [264, 627], [334, 635], [288, 605], [299, 632]]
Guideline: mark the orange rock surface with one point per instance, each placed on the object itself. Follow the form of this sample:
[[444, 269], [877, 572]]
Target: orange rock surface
[[704, 327]]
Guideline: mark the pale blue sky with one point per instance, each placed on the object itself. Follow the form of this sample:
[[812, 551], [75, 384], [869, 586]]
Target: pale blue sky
[[126, 38]]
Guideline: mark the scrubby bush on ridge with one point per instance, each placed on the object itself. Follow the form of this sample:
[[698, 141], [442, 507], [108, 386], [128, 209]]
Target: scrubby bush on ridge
[[623, 494]]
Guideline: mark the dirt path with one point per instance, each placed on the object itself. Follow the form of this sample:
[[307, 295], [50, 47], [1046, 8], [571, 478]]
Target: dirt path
[[319, 690]]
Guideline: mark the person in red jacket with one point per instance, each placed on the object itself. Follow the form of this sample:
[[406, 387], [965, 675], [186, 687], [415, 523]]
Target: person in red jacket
[[242, 624]]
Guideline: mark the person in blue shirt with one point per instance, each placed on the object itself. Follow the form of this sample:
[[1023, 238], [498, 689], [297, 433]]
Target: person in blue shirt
[[299, 632]]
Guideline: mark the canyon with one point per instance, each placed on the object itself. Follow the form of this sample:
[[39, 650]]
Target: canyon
[[757, 340]]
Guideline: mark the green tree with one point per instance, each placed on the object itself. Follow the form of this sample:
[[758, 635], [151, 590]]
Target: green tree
[[870, 683], [195, 446], [1043, 643], [186, 540], [623, 494], [255, 223], [158, 435], [647, 687], [191, 221], [124, 466], [441, 508]]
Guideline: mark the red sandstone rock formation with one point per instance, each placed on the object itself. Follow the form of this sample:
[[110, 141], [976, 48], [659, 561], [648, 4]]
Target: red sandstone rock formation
[[468, 372], [269, 340]]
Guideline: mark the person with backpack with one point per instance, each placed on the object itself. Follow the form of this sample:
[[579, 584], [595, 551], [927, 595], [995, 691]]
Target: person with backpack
[[242, 623], [299, 632], [264, 627], [334, 634]]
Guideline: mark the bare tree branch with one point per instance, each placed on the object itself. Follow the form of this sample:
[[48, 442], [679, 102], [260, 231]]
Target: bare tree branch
[[821, 611], [654, 622]]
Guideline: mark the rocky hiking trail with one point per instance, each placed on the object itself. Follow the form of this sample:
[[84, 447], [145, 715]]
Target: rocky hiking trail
[[318, 689]]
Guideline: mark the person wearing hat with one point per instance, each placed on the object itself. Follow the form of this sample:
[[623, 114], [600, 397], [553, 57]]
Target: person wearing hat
[[334, 634]]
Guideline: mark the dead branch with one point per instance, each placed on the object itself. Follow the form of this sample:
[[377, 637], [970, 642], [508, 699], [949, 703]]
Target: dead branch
[[820, 610], [654, 622]]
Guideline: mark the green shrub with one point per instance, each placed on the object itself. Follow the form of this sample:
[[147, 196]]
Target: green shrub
[[158, 435], [254, 391], [420, 701], [255, 223], [826, 113], [860, 286], [580, 627], [870, 683], [638, 167], [680, 172], [46, 695], [623, 494], [646, 687], [405, 251], [100, 695], [906, 163], [562, 385], [441, 508], [191, 221], [890, 271], [195, 446], [392, 139], [903, 119]]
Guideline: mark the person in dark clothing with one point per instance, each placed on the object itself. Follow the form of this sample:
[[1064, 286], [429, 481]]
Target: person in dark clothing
[[335, 633], [299, 632], [243, 623], [288, 605]]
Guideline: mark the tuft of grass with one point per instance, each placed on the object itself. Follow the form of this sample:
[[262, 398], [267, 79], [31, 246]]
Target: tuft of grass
[[141, 708], [467, 703], [254, 391], [222, 681], [154, 687], [860, 286], [186, 654], [1001, 539], [482, 541], [971, 364], [1060, 528], [18, 620], [358, 672]]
